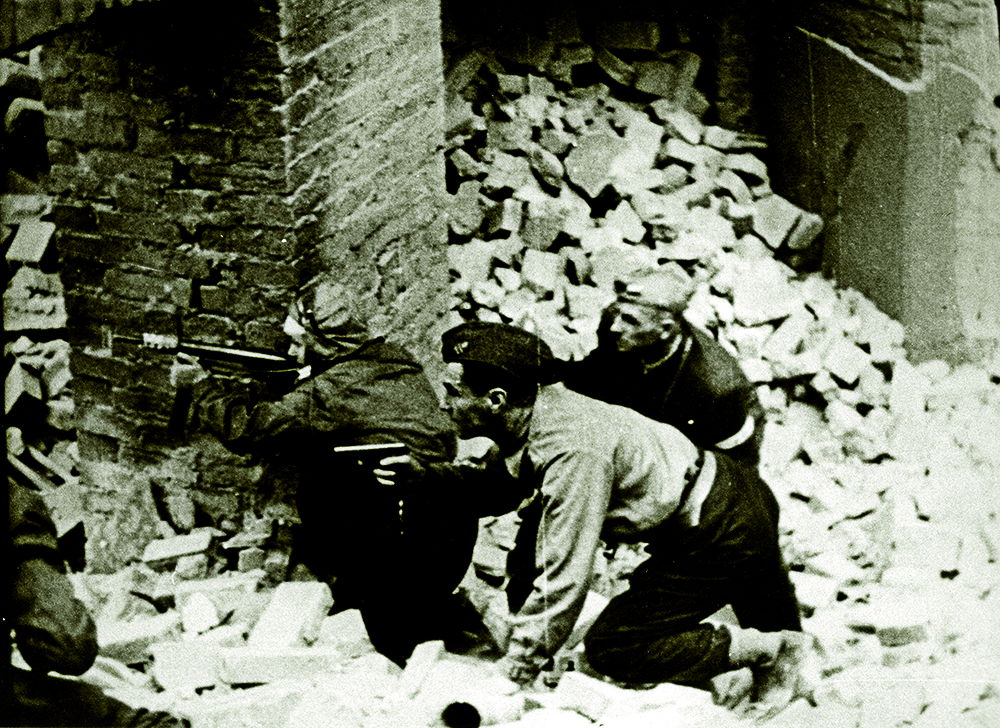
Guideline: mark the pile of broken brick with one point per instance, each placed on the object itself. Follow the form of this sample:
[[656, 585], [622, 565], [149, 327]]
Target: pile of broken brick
[[886, 471]]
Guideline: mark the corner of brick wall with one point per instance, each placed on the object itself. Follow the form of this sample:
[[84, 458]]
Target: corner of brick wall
[[365, 91]]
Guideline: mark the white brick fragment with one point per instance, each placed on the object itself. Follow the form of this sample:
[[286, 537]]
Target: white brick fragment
[[293, 616]]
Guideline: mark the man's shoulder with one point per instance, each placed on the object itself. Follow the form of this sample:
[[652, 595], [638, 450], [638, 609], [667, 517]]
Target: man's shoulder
[[712, 364]]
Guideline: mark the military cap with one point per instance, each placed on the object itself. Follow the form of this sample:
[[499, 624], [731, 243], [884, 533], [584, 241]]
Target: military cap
[[326, 310], [509, 348], [668, 288]]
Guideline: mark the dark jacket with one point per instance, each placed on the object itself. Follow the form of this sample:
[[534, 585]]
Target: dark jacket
[[700, 390], [53, 630], [377, 393]]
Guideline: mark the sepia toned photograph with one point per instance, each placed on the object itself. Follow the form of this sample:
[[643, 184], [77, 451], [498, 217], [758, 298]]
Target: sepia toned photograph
[[432, 363]]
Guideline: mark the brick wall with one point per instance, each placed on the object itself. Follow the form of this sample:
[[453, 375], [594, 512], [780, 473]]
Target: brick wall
[[899, 36], [366, 179], [885, 32], [205, 163]]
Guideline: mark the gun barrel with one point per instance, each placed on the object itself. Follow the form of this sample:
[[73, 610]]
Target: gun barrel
[[248, 358]]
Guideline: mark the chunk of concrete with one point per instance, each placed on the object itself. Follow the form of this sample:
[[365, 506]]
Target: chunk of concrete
[[589, 163], [31, 242], [543, 272], [186, 665], [129, 641], [294, 615], [347, 632], [242, 665], [166, 549]]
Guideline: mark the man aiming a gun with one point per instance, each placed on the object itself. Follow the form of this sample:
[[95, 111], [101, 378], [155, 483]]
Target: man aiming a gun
[[396, 553], [601, 471]]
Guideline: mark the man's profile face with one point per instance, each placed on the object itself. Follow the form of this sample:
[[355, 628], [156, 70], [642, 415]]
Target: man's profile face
[[469, 412], [635, 327]]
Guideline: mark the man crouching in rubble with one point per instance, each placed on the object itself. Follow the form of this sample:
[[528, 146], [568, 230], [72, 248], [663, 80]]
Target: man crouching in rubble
[[386, 551], [605, 471], [54, 633], [651, 359]]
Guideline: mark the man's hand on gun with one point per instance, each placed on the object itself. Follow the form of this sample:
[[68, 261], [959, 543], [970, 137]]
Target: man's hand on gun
[[186, 371], [398, 470]]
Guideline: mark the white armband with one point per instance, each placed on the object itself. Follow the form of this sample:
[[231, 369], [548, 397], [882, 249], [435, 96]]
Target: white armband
[[740, 437]]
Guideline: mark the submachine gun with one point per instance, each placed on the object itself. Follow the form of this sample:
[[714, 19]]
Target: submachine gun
[[275, 370]]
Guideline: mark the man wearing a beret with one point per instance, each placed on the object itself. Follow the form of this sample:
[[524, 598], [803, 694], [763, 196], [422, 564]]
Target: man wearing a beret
[[651, 359], [386, 551], [601, 471]]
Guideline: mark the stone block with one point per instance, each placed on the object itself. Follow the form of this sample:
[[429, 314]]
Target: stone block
[[199, 614], [543, 225], [775, 219], [625, 219], [31, 242], [509, 136], [845, 360], [507, 172], [657, 78], [835, 566], [583, 694], [808, 228], [587, 302], [418, 667], [732, 183], [660, 209], [814, 591], [615, 261], [556, 141], [192, 566], [241, 665], [20, 383], [505, 217], [186, 665], [896, 617], [251, 559], [747, 165], [466, 165], [546, 165], [294, 615], [789, 337], [543, 272], [129, 641], [763, 295], [472, 261], [682, 124], [718, 137], [683, 151], [465, 209], [168, 549], [346, 631], [266, 705], [487, 294], [534, 107], [589, 163]]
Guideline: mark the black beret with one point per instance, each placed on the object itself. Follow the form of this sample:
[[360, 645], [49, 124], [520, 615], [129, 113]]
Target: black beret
[[509, 348]]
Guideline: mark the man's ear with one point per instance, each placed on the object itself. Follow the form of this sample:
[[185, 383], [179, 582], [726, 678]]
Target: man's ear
[[497, 398]]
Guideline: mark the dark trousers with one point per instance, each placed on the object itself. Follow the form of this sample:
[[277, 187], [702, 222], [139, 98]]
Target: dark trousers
[[400, 573], [40, 700], [652, 632]]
